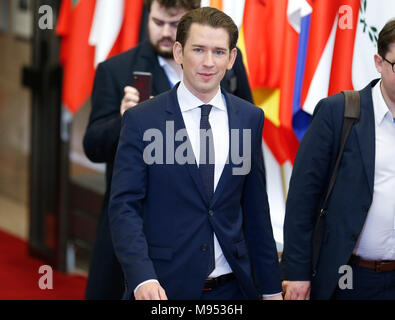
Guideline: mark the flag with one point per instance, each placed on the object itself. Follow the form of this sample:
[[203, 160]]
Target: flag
[[273, 39], [372, 17], [76, 56], [116, 27], [216, 4], [323, 27], [271, 52], [342, 44], [299, 17], [92, 31], [263, 42], [262, 49]]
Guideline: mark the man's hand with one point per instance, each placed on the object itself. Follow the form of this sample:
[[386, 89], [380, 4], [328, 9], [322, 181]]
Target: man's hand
[[276, 297], [130, 99], [296, 290], [150, 291]]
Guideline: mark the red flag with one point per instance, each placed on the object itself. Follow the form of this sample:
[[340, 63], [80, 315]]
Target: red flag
[[74, 24], [130, 30], [322, 21], [263, 26], [271, 50], [329, 52], [285, 148], [341, 73], [77, 55]]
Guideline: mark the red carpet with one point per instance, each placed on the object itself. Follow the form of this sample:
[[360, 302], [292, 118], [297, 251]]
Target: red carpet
[[19, 276]]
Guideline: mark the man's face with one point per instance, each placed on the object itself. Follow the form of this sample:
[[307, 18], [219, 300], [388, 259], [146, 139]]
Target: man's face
[[162, 28], [205, 59], [387, 75]]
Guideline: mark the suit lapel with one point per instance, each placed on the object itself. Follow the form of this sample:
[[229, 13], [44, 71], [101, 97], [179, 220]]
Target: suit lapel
[[174, 114], [365, 130], [234, 123]]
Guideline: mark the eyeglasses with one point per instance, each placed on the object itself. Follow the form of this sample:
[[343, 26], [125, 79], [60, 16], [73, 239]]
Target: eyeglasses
[[391, 63]]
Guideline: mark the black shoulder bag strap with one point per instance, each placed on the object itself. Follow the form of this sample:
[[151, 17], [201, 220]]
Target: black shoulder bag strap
[[351, 115]]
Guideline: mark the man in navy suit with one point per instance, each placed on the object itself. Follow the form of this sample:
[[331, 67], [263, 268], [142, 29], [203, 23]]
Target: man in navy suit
[[112, 95], [359, 235], [188, 219]]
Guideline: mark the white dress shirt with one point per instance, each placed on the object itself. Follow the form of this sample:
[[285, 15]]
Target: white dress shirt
[[171, 74], [377, 239]]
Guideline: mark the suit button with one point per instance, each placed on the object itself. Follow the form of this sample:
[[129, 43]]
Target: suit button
[[204, 247], [211, 212], [354, 237]]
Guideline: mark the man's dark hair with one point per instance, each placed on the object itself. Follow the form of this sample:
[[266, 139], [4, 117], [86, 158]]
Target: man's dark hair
[[386, 37], [178, 4], [207, 16]]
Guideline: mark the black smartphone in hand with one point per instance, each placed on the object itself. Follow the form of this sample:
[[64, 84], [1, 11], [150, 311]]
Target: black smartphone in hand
[[142, 82]]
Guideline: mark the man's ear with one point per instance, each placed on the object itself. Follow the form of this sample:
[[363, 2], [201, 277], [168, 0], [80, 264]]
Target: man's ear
[[177, 52], [378, 61], [232, 58]]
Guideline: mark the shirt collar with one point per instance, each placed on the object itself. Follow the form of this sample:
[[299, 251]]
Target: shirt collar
[[162, 61], [171, 74], [188, 101], [381, 110]]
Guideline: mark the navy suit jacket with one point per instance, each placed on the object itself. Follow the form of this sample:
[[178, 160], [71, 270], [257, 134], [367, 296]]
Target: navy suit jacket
[[350, 200], [161, 220]]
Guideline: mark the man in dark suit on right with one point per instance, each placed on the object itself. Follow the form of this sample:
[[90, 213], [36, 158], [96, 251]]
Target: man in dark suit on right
[[360, 221]]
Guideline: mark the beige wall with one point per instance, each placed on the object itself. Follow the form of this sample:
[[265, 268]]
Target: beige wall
[[14, 118]]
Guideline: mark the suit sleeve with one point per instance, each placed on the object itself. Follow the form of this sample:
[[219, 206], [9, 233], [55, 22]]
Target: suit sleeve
[[257, 223], [308, 184], [102, 134], [128, 191]]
